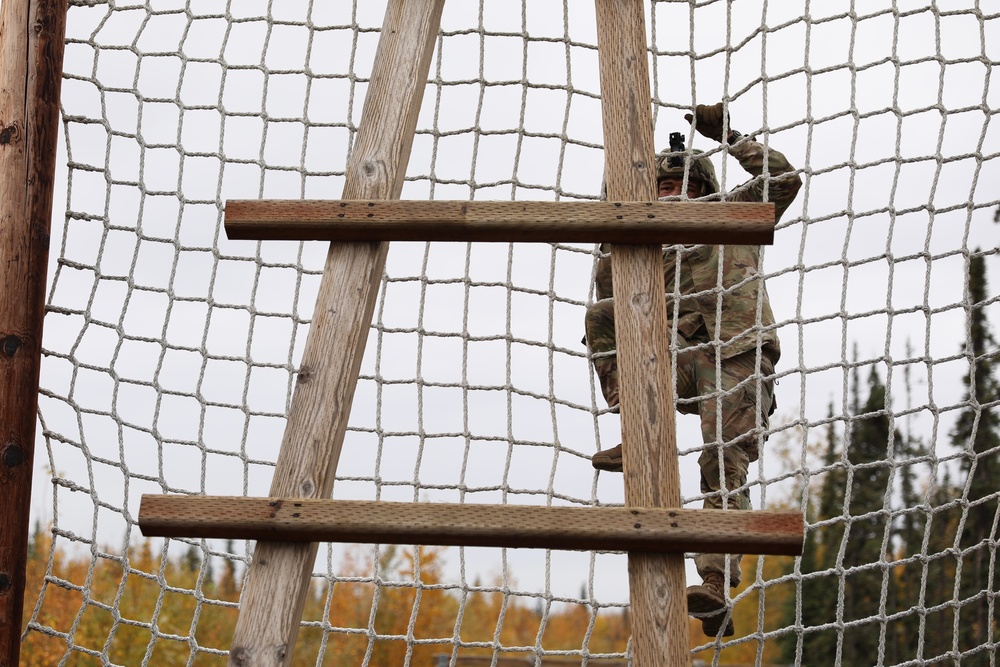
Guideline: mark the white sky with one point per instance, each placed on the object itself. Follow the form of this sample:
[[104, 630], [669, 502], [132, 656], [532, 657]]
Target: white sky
[[899, 154]]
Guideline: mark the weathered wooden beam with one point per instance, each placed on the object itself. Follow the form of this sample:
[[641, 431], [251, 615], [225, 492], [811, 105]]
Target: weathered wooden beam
[[652, 479], [279, 579], [444, 660], [32, 42], [502, 221], [520, 526]]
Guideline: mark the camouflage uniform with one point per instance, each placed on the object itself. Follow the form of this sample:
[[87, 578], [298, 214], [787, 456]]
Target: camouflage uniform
[[717, 330]]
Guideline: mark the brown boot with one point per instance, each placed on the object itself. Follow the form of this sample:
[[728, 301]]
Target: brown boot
[[708, 603], [608, 459]]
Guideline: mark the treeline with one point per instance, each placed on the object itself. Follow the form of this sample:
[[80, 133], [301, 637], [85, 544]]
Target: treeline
[[168, 608], [900, 566]]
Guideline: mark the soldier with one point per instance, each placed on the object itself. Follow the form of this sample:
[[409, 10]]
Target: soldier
[[707, 330]]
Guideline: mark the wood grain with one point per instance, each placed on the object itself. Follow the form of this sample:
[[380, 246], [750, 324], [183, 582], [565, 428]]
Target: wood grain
[[526, 661], [502, 221], [652, 529], [32, 42], [656, 581], [274, 596]]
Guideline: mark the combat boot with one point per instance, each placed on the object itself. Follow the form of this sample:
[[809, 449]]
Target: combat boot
[[707, 603], [609, 460]]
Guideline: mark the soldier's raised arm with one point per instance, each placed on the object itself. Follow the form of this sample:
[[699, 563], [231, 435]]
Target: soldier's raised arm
[[783, 183]]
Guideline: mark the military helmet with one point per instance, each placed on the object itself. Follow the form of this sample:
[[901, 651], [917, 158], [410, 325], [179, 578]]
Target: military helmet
[[671, 164]]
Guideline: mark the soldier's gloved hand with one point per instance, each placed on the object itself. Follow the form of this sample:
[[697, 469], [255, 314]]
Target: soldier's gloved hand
[[709, 120]]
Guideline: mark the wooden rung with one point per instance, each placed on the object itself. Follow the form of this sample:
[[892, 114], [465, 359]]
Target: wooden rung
[[583, 528], [502, 221]]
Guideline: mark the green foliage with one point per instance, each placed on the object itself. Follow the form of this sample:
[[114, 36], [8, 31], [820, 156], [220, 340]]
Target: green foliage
[[977, 434], [890, 557], [862, 567]]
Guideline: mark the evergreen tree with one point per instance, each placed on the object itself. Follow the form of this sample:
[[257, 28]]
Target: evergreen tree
[[872, 446], [858, 499], [938, 598], [903, 642], [977, 433], [820, 592]]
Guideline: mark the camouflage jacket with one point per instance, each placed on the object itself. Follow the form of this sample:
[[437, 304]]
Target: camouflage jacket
[[722, 310]]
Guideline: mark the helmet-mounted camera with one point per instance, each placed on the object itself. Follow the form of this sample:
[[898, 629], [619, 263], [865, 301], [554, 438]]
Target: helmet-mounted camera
[[677, 148]]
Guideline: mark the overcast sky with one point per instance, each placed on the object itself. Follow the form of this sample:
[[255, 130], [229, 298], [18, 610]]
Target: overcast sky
[[889, 118]]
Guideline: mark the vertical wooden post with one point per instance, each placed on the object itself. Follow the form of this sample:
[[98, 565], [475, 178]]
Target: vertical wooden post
[[656, 582], [32, 40], [274, 597]]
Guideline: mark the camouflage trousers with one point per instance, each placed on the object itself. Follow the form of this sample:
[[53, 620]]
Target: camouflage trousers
[[729, 404]]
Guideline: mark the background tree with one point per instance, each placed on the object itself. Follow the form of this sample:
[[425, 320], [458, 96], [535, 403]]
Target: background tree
[[845, 563], [180, 610], [977, 434]]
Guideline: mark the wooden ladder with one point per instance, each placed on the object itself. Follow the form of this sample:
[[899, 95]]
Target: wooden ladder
[[298, 511]]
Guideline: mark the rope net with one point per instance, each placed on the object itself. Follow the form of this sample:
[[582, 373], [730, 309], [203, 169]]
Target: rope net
[[171, 351]]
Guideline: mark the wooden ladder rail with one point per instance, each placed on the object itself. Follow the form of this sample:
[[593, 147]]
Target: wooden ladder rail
[[652, 478], [608, 528], [278, 582]]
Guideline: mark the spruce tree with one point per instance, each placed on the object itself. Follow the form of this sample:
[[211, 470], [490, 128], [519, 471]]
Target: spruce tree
[[872, 445], [977, 434], [852, 546], [942, 527], [903, 642], [820, 591]]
